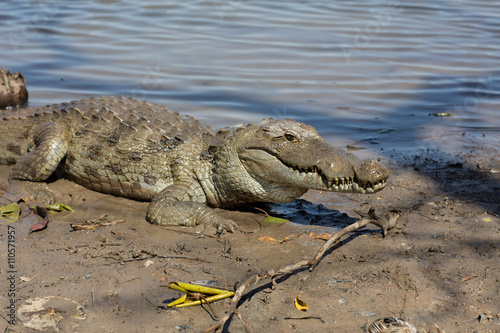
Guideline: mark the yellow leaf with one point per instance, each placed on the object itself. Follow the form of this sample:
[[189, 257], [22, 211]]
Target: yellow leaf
[[268, 240], [190, 287], [287, 238], [206, 300], [196, 294], [300, 305], [178, 301], [82, 226], [486, 219]]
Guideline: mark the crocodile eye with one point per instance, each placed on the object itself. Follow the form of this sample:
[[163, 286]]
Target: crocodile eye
[[290, 137]]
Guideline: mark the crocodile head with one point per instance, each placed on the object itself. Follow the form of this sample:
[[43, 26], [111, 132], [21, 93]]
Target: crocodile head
[[281, 159]]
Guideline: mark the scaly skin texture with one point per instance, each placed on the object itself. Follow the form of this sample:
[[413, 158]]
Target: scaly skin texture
[[144, 151]]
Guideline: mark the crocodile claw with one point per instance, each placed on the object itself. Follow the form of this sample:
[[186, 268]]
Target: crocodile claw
[[224, 224]]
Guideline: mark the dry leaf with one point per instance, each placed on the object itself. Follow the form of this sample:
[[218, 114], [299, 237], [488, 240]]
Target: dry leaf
[[287, 238], [323, 236], [268, 240], [91, 224], [300, 305], [469, 277], [44, 214]]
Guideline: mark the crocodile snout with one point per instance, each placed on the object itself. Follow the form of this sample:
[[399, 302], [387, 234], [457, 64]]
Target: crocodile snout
[[371, 173]]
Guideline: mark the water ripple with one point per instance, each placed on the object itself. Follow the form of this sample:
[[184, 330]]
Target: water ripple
[[350, 68]]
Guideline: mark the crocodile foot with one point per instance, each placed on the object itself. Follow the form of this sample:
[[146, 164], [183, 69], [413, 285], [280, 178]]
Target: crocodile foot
[[222, 224], [38, 192]]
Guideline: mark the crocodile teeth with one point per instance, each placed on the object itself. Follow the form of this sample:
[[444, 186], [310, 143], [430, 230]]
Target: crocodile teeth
[[344, 184]]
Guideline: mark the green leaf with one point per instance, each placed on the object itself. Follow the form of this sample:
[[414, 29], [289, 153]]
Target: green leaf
[[58, 207], [271, 219], [13, 207], [10, 213]]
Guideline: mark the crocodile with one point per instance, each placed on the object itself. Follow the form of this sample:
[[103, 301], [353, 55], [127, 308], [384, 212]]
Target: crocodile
[[144, 151]]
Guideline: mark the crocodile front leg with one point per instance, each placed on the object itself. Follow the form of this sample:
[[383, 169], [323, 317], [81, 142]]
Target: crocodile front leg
[[184, 204], [36, 166], [39, 164]]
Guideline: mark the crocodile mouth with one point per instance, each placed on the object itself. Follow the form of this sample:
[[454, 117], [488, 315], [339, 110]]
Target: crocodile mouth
[[350, 184], [354, 178]]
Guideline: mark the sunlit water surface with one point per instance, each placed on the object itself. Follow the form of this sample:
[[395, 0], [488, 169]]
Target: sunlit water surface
[[373, 74]]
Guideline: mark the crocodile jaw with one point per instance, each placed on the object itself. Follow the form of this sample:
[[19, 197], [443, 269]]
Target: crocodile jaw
[[267, 168]]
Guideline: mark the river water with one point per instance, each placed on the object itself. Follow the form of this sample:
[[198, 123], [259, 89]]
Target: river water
[[374, 74]]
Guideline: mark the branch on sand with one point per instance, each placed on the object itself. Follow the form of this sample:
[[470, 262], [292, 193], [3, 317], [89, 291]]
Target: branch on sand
[[273, 274]]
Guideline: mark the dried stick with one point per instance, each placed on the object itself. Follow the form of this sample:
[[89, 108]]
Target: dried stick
[[273, 273]]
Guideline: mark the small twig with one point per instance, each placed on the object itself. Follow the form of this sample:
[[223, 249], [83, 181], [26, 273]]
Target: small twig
[[91, 224], [305, 318], [152, 257], [234, 303], [336, 237], [262, 210], [482, 280], [133, 279], [391, 277], [204, 298], [97, 220], [243, 321], [467, 278], [180, 231]]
